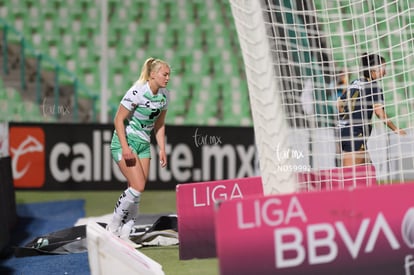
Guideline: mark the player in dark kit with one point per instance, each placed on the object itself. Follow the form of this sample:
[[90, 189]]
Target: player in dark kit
[[356, 106]]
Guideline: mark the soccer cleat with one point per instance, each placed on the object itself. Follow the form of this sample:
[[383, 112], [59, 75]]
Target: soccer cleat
[[113, 229], [126, 229]]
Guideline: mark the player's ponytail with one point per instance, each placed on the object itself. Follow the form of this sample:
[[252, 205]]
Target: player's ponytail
[[150, 65], [369, 61]]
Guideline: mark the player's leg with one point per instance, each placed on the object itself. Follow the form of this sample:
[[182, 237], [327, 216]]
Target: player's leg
[[126, 206], [127, 203], [145, 164], [140, 175], [143, 168], [353, 158], [144, 158]]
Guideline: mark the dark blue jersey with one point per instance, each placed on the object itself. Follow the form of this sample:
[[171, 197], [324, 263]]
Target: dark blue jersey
[[358, 102], [358, 107]]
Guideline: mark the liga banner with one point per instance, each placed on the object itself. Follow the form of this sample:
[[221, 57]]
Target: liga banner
[[56, 156], [364, 231], [195, 210]]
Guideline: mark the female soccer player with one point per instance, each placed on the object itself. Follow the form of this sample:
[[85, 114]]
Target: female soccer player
[[356, 107], [141, 110]]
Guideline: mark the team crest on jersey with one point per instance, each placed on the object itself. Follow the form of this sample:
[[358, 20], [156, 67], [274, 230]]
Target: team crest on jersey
[[159, 103]]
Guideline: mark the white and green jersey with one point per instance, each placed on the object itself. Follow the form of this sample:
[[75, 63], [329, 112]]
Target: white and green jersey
[[146, 108]]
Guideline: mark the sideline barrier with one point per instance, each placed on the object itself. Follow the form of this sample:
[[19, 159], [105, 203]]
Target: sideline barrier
[[195, 211], [8, 213], [78, 157], [110, 255], [359, 231]]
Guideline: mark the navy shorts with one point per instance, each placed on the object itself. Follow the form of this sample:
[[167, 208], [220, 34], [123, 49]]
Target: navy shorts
[[353, 139]]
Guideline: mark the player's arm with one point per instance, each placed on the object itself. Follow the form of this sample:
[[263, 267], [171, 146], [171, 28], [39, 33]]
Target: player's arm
[[340, 105], [159, 130], [382, 115], [119, 119]]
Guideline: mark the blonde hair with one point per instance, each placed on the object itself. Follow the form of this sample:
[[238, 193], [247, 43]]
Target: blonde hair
[[150, 65]]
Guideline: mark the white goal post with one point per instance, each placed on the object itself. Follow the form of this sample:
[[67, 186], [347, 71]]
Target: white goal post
[[294, 53], [270, 126]]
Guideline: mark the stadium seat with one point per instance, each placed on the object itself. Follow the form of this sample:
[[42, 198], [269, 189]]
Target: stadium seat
[[197, 37], [194, 37]]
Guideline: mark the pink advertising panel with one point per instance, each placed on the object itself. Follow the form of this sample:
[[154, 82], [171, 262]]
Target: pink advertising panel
[[359, 231], [338, 178], [195, 211]]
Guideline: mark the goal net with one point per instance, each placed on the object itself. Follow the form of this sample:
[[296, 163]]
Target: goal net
[[299, 57]]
